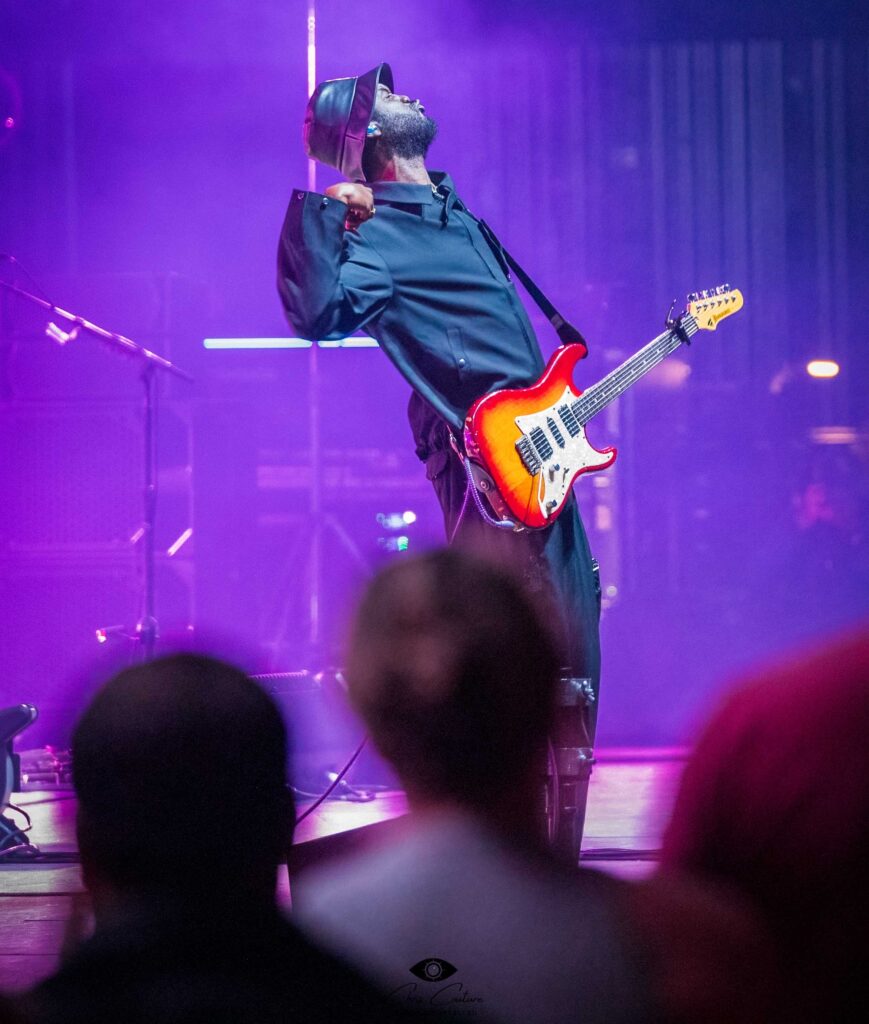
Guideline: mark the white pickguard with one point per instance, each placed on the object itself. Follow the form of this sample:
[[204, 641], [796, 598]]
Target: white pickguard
[[554, 480]]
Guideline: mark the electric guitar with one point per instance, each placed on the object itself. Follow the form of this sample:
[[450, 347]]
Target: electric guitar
[[526, 446]]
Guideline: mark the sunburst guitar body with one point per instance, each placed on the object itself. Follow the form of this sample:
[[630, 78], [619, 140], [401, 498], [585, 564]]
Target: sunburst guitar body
[[528, 445]]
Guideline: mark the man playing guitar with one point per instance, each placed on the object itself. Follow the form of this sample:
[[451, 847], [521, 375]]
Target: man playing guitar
[[402, 259]]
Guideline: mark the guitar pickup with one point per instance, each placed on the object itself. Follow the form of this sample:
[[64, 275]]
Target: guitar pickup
[[528, 455], [568, 419], [541, 444], [556, 433]]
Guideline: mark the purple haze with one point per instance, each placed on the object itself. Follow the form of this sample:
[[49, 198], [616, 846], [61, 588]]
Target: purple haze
[[144, 184]]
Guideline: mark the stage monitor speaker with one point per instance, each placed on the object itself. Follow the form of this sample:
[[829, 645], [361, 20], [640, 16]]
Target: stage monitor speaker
[[72, 476]]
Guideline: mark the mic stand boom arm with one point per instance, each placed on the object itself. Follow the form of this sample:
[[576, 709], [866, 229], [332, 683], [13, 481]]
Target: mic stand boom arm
[[146, 629], [116, 341]]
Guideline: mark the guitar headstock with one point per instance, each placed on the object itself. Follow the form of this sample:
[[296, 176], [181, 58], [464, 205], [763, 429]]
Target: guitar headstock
[[710, 307]]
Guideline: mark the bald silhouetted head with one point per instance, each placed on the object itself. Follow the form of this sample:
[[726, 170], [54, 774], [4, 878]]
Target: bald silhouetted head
[[454, 671], [179, 767]]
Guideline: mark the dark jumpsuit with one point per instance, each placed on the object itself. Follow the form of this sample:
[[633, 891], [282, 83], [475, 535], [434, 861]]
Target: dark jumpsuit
[[421, 279]]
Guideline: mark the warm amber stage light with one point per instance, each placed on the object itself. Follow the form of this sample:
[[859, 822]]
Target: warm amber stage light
[[822, 368]]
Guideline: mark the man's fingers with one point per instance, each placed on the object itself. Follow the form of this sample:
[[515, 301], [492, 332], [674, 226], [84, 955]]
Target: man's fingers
[[357, 193], [357, 215], [355, 196], [359, 200]]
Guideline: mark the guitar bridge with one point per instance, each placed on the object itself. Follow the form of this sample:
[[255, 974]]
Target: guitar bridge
[[528, 455]]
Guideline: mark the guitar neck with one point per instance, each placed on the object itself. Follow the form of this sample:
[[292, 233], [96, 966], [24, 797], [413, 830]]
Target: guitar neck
[[599, 396]]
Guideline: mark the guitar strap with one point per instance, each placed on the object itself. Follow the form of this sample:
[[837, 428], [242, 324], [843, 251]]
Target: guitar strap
[[565, 330]]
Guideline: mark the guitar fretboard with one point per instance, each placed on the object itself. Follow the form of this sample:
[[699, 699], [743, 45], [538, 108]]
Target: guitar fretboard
[[599, 395]]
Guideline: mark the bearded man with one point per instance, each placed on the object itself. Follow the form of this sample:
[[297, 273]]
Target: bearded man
[[401, 258]]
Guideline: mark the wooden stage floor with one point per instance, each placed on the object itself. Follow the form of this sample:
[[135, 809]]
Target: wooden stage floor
[[629, 802]]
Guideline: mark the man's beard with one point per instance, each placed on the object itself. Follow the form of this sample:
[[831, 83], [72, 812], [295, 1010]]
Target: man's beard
[[408, 134]]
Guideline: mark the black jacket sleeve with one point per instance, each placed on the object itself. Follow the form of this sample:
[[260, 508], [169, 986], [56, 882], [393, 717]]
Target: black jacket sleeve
[[331, 281]]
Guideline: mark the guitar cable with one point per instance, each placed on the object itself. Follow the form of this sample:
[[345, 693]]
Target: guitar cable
[[330, 789], [473, 490], [461, 516], [501, 524], [26, 850]]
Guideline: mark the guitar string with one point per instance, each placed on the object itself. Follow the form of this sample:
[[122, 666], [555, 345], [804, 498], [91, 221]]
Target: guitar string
[[592, 401], [633, 368], [599, 395]]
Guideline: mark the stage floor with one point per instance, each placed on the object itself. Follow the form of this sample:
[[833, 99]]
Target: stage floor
[[629, 802]]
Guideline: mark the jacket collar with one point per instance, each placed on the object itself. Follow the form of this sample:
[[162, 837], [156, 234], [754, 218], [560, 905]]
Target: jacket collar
[[416, 195]]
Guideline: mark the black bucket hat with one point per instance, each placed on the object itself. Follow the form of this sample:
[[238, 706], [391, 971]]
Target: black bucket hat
[[337, 118]]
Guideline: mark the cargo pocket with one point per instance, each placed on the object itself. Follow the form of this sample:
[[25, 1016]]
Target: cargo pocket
[[457, 349]]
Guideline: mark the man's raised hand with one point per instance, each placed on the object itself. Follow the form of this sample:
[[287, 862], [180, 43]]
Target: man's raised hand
[[359, 200]]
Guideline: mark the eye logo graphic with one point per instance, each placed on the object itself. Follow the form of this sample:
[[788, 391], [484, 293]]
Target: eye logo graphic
[[433, 969]]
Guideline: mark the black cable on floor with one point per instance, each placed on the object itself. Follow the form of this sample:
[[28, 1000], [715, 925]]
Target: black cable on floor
[[335, 782]]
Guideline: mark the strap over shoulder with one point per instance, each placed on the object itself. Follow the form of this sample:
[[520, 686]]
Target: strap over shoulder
[[565, 330]]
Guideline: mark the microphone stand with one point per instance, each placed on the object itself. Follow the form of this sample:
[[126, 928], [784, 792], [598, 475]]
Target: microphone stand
[[147, 630]]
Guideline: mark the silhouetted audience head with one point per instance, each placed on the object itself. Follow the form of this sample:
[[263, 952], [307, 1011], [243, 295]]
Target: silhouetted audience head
[[454, 672], [179, 768], [775, 801]]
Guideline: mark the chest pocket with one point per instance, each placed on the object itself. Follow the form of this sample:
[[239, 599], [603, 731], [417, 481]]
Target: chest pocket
[[457, 350]]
